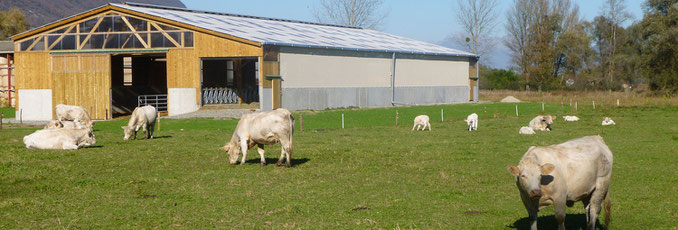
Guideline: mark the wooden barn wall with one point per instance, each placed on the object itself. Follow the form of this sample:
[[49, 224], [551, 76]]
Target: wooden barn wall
[[183, 65], [31, 71], [83, 80]]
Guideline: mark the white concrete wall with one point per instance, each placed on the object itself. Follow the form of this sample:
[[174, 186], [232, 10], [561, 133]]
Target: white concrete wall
[[319, 71], [35, 104], [422, 72], [181, 100]]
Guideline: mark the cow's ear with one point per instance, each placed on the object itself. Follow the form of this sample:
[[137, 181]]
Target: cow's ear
[[547, 168], [513, 170], [226, 148], [554, 116]]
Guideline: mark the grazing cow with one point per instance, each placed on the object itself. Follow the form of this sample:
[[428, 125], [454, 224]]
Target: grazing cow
[[73, 113], [576, 170], [472, 121], [142, 117], [262, 128], [526, 130], [570, 118], [421, 121], [542, 123], [608, 121], [59, 139], [56, 124]]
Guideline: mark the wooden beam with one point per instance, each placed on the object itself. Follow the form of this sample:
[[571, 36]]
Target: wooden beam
[[37, 39], [60, 24], [60, 37], [134, 31], [108, 37], [166, 34], [95, 27]]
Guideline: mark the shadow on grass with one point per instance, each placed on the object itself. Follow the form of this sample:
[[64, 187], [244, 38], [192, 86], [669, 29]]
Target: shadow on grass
[[272, 161], [572, 221]]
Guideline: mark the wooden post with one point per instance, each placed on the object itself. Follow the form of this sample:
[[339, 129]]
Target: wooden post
[[542, 107], [21, 116], [342, 120], [396, 118], [301, 122], [516, 110], [106, 115], [594, 105], [158, 118], [441, 115], [617, 102], [484, 111], [575, 106]]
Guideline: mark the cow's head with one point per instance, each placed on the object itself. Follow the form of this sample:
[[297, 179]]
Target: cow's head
[[128, 132], [468, 122], [233, 152], [89, 140], [54, 124], [530, 176], [548, 120]]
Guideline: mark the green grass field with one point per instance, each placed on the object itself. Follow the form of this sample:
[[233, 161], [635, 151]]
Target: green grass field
[[7, 112], [369, 175]]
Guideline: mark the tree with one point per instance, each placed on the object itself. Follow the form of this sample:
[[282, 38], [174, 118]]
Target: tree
[[616, 14], [659, 45], [12, 22], [478, 19], [358, 13]]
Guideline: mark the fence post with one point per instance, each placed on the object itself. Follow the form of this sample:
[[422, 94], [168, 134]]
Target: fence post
[[301, 122], [562, 107], [1, 116], [21, 116], [516, 110], [442, 116], [157, 117], [575, 106], [484, 111], [396, 118], [594, 104], [342, 120], [617, 102], [542, 107]]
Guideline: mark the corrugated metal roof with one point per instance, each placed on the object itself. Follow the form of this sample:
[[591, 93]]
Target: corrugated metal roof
[[269, 31], [6, 47]]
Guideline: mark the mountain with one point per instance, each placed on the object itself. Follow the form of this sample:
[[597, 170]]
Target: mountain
[[41, 12]]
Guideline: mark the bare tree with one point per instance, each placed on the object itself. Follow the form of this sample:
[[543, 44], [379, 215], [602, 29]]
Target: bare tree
[[478, 19], [615, 11], [359, 13]]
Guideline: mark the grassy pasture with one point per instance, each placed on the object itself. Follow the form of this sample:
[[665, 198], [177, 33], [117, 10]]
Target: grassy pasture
[[369, 175]]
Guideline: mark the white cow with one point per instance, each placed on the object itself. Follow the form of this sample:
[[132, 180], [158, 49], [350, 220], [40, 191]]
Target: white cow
[[608, 121], [576, 170], [59, 139], [526, 130], [421, 121], [542, 123], [56, 124], [570, 118], [472, 121], [142, 117], [262, 128], [73, 113]]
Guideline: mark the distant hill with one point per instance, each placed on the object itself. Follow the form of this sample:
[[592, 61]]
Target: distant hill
[[41, 12]]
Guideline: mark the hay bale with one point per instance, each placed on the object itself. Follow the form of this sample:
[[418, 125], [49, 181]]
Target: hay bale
[[509, 99]]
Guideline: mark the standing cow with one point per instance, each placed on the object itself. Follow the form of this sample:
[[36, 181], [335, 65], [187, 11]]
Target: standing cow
[[263, 128], [576, 170], [472, 121], [421, 121], [142, 117], [542, 123], [59, 139], [73, 113]]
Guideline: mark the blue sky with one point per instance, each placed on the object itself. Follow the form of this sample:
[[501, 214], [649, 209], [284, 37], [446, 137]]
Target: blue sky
[[429, 20]]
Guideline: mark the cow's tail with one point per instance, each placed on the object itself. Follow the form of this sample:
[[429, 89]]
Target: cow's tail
[[608, 206], [289, 148]]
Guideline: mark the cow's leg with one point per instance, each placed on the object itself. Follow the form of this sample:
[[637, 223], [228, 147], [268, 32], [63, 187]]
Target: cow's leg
[[532, 210], [260, 149], [415, 125], [151, 129], [559, 206], [288, 153], [429, 126], [594, 207], [145, 131], [67, 145], [243, 148]]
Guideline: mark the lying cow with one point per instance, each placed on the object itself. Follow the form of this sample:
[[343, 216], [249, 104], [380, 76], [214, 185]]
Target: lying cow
[[542, 123], [570, 118], [608, 121], [421, 121], [142, 117], [263, 128], [577, 170], [59, 139], [472, 121], [526, 130], [56, 124], [73, 113]]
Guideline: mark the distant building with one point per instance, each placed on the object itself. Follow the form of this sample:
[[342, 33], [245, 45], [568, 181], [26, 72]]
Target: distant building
[[7, 94], [109, 58]]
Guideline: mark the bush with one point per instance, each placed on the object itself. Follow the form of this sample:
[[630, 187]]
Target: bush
[[499, 79]]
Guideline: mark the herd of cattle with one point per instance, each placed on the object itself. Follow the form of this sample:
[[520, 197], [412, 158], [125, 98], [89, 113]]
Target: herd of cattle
[[576, 170]]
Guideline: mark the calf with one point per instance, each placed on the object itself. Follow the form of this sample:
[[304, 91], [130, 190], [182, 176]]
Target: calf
[[542, 123], [142, 117], [59, 139], [421, 121], [73, 113], [526, 130], [576, 170], [472, 121], [608, 121], [570, 118], [56, 124], [263, 128]]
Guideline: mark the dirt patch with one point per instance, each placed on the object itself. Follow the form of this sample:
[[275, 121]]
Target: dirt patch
[[509, 99]]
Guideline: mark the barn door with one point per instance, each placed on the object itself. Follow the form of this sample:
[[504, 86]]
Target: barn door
[[83, 80]]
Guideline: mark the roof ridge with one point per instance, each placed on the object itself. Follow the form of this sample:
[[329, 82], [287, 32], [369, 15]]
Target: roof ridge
[[230, 14]]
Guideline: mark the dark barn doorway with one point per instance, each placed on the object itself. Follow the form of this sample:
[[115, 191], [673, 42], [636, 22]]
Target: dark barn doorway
[[133, 76], [229, 81]]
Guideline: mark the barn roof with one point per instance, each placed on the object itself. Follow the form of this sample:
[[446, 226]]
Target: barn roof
[[270, 31]]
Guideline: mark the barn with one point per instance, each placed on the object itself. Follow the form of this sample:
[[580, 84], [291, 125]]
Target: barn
[[112, 58]]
